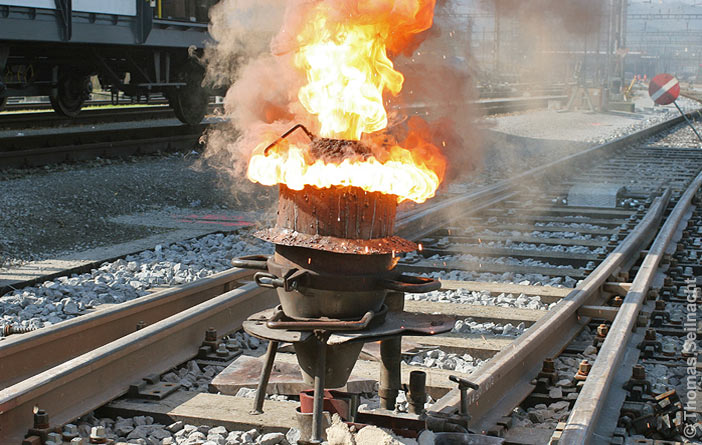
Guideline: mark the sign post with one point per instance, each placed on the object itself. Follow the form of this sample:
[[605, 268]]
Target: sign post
[[664, 89]]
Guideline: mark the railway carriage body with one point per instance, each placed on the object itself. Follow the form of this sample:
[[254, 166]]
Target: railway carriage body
[[138, 47]]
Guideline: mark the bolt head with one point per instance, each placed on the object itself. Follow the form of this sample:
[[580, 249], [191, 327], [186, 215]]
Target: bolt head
[[602, 330], [98, 432], [211, 334], [638, 372], [41, 419], [70, 431]]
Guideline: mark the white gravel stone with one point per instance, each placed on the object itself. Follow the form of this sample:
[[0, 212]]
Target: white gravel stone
[[66, 297], [271, 438]]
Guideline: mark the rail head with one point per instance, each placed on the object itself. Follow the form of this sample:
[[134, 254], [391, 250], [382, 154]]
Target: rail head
[[515, 366], [585, 416]]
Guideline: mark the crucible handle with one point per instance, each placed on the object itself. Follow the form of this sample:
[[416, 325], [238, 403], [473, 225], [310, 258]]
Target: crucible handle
[[257, 262], [412, 284]]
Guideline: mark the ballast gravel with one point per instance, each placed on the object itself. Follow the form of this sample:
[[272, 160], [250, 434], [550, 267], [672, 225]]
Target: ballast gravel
[[143, 430], [482, 298], [125, 279], [531, 279]]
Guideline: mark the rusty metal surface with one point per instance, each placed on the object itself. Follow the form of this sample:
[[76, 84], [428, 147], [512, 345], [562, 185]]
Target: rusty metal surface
[[585, 416], [81, 384], [24, 355], [342, 212], [505, 380], [402, 323], [285, 378], [376, 246]]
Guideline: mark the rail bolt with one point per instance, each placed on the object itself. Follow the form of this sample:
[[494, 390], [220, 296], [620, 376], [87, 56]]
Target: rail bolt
[[211, 334], [54, 437], [41, 420], [98, 434], [650, 334], [222, 350], [70, 431], [617, 301], [668, 349], [583, 370], [548, 366], [602, 330], [638, 372]]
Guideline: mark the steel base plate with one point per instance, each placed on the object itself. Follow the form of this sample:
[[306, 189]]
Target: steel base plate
[[396, 323]]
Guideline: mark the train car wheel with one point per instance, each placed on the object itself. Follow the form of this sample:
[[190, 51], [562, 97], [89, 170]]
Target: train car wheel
[[190, 102], [72, 93]]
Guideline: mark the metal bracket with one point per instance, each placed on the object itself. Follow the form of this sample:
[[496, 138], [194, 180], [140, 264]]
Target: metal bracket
[[152, 388]]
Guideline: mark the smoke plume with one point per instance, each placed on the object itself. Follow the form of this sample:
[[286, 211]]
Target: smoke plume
[[255, 45]]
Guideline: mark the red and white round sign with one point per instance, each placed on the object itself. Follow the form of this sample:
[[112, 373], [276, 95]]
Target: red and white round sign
[[664, 89]]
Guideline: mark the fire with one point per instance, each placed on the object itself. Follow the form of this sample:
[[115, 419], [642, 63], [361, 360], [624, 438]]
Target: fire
[[343, 52]]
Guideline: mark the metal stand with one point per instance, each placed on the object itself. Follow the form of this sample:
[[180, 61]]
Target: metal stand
[[265, 376], [320, 374], [687, 120], [389, 331], [390, 358]]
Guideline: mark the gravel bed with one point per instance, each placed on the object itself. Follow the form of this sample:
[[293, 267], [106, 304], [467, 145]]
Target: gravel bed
[[436, 358], [680, 136], [470, 326], [464, 363], [664, 378], [144, 431], [483, 298], [548, 416], [468, 258], [67, 297], [543, 234], [582, 126], [584, 226], [66, 208], [191, 377], [540, 247], [507, 277]]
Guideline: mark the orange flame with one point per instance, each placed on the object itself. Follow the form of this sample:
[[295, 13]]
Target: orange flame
[[343, 51]]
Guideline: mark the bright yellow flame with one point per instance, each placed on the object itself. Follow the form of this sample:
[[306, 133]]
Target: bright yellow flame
[[342, 49], [400, 175], [347, 71]]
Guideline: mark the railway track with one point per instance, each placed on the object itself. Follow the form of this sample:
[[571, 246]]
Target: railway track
[[519, 252], [77, 142], [89, 116], [84, 143]]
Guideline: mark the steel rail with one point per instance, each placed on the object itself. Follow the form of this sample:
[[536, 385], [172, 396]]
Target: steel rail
[[19, 394], [77, 386], [505, 379], [22, 356], [417, 224], [585, 415]]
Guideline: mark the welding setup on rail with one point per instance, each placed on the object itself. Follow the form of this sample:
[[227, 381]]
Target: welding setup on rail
[[334, 273]]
